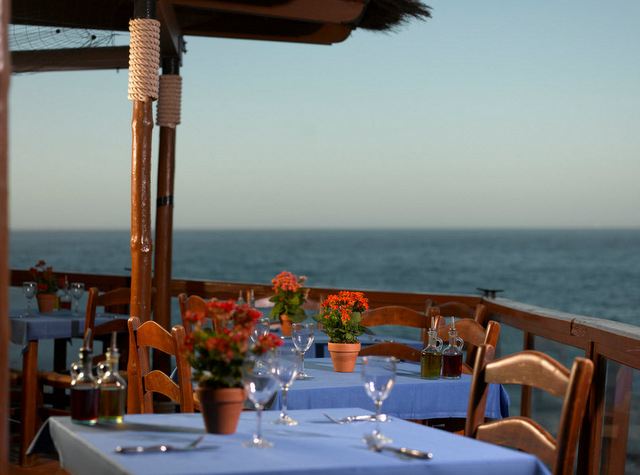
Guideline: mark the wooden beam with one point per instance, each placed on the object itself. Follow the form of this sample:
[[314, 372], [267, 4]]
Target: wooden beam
[[320, 34], [74, 59], [321, 11], [5, 70], [171, 42]]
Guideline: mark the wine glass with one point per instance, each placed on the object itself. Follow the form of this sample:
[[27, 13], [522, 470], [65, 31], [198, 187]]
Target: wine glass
[[259, 380], [29, 289], [378, 376], [303, 335], [286, 370], [262, 328], [77, 289]]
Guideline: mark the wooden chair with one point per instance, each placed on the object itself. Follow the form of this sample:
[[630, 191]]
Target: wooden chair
[[116, 300], [194, 303], [401, 316], [399, 350], [531, 368], [473, 335], [460, 310], [151, 335]]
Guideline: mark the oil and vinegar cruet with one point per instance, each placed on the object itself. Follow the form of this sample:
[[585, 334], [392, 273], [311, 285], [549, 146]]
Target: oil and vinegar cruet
[[113, 388], [84, 387], [452, 354], [431, 359]]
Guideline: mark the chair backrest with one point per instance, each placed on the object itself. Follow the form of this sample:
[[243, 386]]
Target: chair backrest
[[461, 310], [151, 335], [531, 368], [398, 315], [392, 348], [194, 303], [473, 335], [116, 300]]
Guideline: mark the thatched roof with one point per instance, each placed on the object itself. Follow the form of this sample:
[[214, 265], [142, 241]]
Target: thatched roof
[[304, 21]]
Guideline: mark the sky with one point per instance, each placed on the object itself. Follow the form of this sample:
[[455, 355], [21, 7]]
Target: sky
[[492, 114]]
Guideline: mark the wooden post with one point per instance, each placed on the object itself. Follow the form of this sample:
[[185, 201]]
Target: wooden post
[[5, 71], [143, 89], [168, 118]]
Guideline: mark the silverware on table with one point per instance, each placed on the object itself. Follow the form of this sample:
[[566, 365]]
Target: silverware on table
[[139, 449], [367, 417], [401, 452]]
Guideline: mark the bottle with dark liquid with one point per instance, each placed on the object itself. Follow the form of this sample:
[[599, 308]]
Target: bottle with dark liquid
[[84, 390], [431, 359], [113, 389], [452, 356]]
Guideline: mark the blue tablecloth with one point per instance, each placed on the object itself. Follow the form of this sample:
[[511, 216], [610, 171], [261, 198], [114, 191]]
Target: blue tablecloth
[[315, 446], [54, 325], [411, 397]]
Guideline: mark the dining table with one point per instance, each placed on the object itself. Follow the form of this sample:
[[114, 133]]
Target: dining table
[[27, 331], [316, 446], [411, 397]]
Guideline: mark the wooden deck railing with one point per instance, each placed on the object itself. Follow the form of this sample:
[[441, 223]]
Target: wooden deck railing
[[602, 341]]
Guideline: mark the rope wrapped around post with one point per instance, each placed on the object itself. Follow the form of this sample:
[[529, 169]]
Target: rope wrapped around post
[[144, 59], [169, 100]]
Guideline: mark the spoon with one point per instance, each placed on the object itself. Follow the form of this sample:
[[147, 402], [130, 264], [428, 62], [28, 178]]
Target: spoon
[[138, 449], [402, 452]]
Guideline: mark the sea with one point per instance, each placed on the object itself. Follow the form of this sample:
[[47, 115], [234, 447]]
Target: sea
[[590, 272]]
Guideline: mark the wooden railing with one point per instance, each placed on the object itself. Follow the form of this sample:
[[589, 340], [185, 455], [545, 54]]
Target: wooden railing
[[601, 340]]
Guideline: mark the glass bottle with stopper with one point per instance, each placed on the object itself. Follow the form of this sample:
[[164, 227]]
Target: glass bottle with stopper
[[431, 359], [84, 387], [113, 388], [452, 354]]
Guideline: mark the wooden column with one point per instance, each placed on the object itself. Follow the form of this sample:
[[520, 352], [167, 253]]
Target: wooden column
[[5, 71], [164, 209], [141, 91]]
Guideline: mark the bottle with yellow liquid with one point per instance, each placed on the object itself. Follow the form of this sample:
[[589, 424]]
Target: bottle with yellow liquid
[[113, 389], [431, 359]]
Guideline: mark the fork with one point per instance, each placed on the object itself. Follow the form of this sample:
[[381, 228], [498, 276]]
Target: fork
[[345, 420], [401, 452], [138, 449]]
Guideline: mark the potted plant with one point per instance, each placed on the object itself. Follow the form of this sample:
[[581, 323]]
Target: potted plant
[[340, 316], [289, 296], [216, 354], [47, 285]]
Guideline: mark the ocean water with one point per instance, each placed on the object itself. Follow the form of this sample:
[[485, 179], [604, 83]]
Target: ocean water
[[587, 272]]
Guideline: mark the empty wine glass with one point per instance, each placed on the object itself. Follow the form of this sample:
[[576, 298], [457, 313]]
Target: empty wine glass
[[303, 335], [378, 376], [259, 380], [286, 370], [77, 289], [29, 289], [262, 328]]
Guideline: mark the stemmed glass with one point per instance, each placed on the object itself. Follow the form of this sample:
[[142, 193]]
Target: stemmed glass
[[262, 328], [303, 335], [77, 289], [378, 376], [259, 380], [29, 289], [287, 368]]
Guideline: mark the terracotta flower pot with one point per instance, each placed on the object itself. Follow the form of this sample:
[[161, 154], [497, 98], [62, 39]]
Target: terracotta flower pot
[[285, 323], [221, 408], [46, 302], [344, 356]]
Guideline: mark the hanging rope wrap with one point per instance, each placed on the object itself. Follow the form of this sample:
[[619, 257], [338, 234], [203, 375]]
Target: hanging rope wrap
[[144, 59], [169, 100]]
